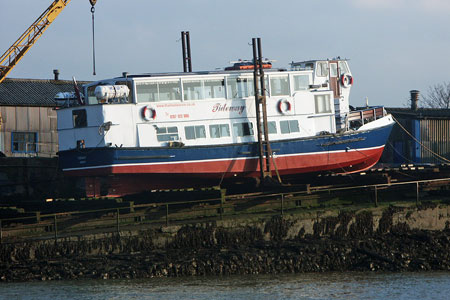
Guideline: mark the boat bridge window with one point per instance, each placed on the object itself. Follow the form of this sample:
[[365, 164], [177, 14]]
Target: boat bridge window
[[301, 82], [279, 85], [91, 98], [322, 69], [343, 68], [243, 129], [219, 130], [79, 118], [240, 87], [158, 91], [165, 134], [214, 88], [195, 132], [322, 104], [289, 126], [333, 70]]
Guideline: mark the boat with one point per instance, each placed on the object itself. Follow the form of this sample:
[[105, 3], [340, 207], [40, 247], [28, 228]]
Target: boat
[[154, 131]]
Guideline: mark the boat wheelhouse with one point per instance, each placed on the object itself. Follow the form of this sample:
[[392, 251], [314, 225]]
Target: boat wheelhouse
[[171, 130]]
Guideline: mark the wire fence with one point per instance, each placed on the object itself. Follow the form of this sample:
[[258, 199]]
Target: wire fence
[[139, 216]]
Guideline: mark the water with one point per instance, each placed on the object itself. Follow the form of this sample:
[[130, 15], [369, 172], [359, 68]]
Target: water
[[384, 286]]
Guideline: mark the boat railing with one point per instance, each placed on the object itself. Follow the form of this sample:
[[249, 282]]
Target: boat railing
[[366, 115]]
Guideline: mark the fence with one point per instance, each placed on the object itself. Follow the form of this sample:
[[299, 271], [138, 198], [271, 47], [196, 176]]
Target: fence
[[78, 223]]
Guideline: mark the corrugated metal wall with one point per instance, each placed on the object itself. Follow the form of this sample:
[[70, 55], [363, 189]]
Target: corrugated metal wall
[[435, 134], [41, 120]]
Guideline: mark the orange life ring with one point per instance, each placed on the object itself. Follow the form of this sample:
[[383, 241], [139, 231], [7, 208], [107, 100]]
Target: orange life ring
[[346, 80], [284, 106], [148, 113]]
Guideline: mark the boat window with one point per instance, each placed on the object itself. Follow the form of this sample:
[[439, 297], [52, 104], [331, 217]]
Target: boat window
[[165, 134], [79, 118], [193, 90], [243, 129], [146, 92], [322, 69], [91, 98], [240, 87], [279, 85], [169, 90], [289, 126], [333, 70], [195, 132], [214, 88], [219, 130], [343, 68], [322, 103], [301, 82], [272, 126], [158, 91]]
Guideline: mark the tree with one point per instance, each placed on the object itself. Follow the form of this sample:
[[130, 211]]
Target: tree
[[438, 96]]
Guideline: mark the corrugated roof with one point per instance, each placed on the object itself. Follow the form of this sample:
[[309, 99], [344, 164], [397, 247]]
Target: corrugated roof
[[420, 113], [33, 92]]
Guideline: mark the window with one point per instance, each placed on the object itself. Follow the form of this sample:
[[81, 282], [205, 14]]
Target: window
[[333, 70], [91, 99], [165, 134], [79, 118], [240, 87], [24, 142], [195, 132], [272, 126], [243, 129], [301, 82], [214, 88], [322, 104], [322, 69], [289, 126], [279, 85], [193, 90], [219, 131], [343, 68], [158, 91]]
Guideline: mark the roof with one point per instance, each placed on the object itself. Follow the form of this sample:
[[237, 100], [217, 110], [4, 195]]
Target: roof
[[33, 92], [420, 113]]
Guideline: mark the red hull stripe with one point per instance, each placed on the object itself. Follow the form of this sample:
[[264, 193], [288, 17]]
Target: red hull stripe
[[286, 164]]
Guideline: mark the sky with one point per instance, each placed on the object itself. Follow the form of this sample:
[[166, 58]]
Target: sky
[[394, 46]]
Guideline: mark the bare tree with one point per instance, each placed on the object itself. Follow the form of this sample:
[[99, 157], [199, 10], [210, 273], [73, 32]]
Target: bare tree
[[438, 96]]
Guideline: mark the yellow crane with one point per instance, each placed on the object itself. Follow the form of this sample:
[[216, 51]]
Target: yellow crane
[[15, 53]]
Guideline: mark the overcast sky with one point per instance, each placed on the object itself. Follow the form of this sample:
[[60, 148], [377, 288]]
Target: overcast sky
[[393, 45]]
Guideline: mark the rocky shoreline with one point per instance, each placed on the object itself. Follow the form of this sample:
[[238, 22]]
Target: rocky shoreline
[[349, 241]]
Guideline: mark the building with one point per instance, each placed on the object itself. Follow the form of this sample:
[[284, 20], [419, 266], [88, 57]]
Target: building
[[28, 117], [421, 137]]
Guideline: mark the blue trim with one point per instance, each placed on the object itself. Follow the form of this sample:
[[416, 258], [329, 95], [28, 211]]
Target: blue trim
[[94, 157]]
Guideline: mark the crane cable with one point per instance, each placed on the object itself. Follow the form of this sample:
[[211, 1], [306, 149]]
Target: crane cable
[[93, 34], [421, 144]]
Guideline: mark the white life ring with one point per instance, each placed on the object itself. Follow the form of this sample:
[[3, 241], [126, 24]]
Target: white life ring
[[346, 80], [284, 106], [148, 113]]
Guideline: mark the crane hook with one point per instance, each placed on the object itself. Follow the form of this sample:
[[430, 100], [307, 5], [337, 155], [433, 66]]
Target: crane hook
[[93, 2]]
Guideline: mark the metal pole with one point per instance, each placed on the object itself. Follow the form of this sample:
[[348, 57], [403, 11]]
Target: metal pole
[[167, 214], [264, 110], [118, 221], [417, 193], [183, 45], [258, 112], [188, 44], [376, 196], [282, 204], [55, 225]]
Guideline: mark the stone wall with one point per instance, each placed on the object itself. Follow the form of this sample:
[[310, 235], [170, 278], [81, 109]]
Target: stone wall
[[389, 239]]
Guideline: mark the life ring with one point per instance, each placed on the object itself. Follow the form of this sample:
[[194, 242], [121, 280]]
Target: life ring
[[346, 80], [148, 113], [284, 106]]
